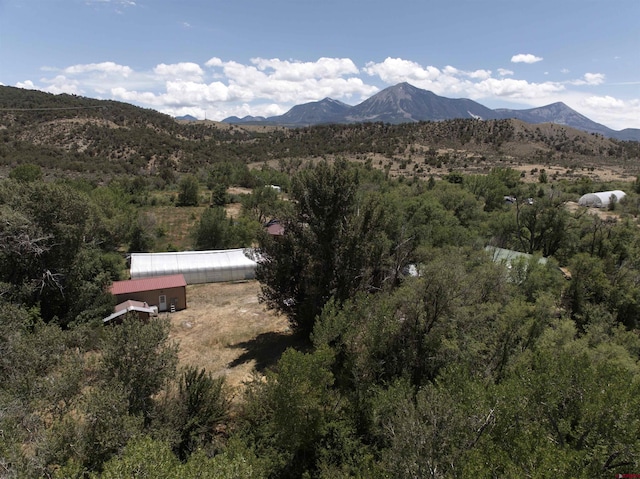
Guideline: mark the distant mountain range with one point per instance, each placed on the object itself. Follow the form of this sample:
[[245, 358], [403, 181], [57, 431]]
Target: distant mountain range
[[186, 118], [404, 103]]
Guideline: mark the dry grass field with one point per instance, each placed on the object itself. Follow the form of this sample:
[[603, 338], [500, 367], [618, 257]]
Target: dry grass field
[[227, 331]]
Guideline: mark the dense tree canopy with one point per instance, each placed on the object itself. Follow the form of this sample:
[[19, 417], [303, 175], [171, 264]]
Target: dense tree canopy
[[420, 355]]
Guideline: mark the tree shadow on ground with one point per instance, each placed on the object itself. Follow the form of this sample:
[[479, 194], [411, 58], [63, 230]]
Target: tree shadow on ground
[[266, 349]]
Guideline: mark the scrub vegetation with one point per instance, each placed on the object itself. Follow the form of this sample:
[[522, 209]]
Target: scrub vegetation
[[411, 352]]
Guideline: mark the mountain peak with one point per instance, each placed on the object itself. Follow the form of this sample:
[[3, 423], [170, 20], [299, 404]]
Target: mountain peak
[[186, 118], [405, 103], [560, 114]]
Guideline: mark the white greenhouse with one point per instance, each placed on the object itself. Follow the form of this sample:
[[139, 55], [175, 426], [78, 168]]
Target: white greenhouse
[[601, 199], [196, 266]]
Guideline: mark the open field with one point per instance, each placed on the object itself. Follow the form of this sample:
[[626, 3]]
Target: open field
[[175, 224], [226, 330], [555, 170]]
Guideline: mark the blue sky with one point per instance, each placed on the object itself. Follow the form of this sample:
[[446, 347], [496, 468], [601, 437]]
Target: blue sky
[[218, 58]]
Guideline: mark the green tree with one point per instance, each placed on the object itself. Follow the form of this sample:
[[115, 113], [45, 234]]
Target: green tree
[[569, 406], [26, 173], [140, 241], [189, 191], [296, 419], [262, 203], [334, 245], [219, 195], [139, 356], [106, 426], [115, 214], [542, 226], [431, 435], [542, 177], [298, 274], [589, 285], [201, 404], [214, 230], [142, 458], [47, 229]]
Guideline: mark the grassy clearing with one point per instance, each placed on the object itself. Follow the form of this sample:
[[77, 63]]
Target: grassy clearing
[[227, 331], [172, 225]]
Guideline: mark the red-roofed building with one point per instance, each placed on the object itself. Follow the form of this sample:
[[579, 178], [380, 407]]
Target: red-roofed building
[[168, 293], [274, 228]]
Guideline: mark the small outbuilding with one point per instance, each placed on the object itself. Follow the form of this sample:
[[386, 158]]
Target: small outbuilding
[[168, 293], [196, 266], [140, 308], [601, 199], [274, 228]]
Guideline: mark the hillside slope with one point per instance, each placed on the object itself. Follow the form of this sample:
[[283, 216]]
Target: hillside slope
[[96, 137]]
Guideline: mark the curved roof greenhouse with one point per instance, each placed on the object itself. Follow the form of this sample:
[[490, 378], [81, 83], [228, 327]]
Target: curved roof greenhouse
[[601, 199], [196, 266]]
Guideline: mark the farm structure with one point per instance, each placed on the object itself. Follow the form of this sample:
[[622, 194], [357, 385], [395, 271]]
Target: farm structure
[[601, 199], [196, 266], [140, 308], [274, 228], [168, 293]]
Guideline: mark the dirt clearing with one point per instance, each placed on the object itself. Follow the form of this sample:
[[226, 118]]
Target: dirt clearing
[[228, 332]]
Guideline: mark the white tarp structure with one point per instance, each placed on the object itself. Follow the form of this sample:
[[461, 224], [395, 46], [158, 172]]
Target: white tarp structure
[[196, 266], [602, 199]]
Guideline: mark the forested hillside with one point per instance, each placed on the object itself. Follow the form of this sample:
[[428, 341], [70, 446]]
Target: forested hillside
[[422, 354], [106, 138]]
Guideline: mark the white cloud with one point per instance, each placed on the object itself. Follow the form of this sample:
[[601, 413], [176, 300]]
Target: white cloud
[[271, 86], [564, 70], [452, 81], [191, 93], [296, 71], [590, 79], [109, 68], [604, 102], [509, 88], [265, 87], [62, 84], [525, 58], [293, 81], [214, 62], [144, 98], [396, 70], [180, 71], [56, 85], [610, 111], [594, 78], [479, 74], [27, 85]]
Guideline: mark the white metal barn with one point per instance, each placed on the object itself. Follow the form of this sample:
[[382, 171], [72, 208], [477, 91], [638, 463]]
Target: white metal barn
[[601, 199], [196, 266]]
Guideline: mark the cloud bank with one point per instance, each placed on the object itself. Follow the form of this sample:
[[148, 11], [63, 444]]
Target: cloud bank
[[220, 88]]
